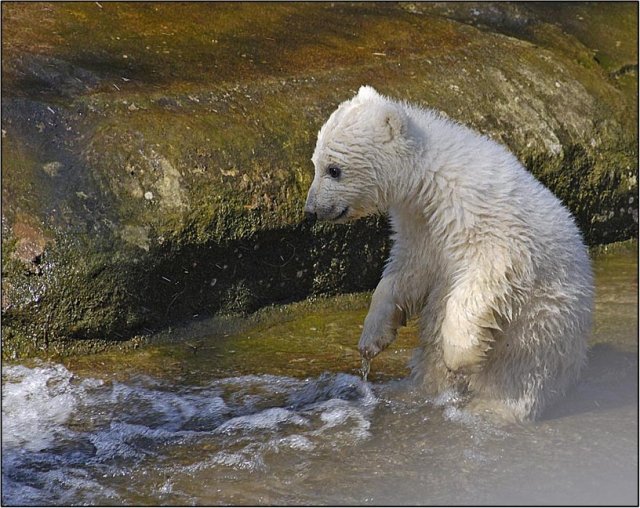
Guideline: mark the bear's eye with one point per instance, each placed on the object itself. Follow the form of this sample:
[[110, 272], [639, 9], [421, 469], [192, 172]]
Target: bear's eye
[[334, 171]]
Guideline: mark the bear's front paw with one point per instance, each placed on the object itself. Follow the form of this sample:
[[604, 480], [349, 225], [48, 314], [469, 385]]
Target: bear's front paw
[[371, 344]]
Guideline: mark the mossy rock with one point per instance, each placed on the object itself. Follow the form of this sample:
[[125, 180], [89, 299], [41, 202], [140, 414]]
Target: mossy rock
[[156, 156]]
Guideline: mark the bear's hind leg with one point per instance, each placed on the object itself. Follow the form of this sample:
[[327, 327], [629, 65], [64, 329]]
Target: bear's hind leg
[[539, 357]]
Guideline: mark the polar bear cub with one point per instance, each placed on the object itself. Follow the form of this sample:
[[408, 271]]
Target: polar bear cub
[[486, 256]]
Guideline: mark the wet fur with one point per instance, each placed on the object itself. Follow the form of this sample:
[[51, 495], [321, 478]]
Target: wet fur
[[489, 260]]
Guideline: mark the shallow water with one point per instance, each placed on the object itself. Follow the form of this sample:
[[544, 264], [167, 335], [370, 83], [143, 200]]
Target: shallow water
[[276, 414]]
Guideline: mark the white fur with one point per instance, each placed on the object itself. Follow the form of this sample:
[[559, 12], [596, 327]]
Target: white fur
[[485, 255]]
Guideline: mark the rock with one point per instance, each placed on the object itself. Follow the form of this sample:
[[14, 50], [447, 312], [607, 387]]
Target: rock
[[52, 168], [30, 243], [148, 181]]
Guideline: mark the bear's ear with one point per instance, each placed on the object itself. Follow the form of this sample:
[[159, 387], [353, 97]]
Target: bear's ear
[[394, 121], [367, 92]]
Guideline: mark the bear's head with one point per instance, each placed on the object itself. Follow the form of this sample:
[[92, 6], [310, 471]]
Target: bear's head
[[359, 151]]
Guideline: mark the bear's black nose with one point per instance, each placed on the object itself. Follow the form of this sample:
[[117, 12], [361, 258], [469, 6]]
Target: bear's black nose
[[310, 218]]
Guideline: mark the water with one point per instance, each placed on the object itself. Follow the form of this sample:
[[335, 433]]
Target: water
[[234, 424]]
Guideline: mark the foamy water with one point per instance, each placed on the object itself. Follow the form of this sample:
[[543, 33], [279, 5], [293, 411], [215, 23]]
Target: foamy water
[[63, 437]]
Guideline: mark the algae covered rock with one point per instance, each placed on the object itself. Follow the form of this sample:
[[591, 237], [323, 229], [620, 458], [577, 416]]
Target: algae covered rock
[[155, 157]]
